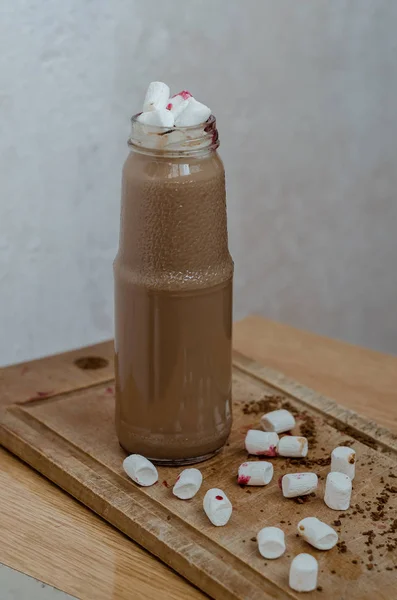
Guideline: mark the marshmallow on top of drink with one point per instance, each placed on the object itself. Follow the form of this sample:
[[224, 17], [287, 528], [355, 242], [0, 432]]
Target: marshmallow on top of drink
[[160, 109]]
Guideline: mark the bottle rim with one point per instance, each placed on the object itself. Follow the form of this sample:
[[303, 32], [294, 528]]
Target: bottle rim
[[173, 140]]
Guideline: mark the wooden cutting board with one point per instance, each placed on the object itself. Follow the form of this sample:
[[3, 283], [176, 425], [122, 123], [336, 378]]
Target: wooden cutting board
[[69, 437]]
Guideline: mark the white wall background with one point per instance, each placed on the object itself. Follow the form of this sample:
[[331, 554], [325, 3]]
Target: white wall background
[[306, 99]]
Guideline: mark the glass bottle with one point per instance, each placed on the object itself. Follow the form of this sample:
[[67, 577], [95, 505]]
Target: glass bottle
[[173, 297]]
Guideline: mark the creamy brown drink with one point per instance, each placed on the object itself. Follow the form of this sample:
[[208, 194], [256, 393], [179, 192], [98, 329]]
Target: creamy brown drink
[[173, 296]]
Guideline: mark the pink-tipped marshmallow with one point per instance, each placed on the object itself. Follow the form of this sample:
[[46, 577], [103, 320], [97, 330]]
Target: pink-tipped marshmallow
[[261, 443], [255, 473]]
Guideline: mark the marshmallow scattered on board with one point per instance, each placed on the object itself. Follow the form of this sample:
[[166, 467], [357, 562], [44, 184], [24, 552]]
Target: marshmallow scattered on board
[[157, 96], [318, 534], [298, 484], [278, 420], [338, 489], [217, 507], [188, 484], [261, 443], [140, 470], [343, 460], [157, 118], [271, 542], [303, 573], [255, 473], [293, 446]]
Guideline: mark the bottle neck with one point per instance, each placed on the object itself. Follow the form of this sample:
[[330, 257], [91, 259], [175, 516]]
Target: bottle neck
[[196, 140]]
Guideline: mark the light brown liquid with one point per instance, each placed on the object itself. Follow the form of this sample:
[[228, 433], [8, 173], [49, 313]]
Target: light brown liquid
[[173, 283]]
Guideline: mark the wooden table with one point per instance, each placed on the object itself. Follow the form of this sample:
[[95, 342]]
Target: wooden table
[[47, 534]]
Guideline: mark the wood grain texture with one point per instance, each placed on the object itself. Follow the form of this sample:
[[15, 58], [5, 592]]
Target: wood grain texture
[[57, 374], [47, 534], [358, 378], [71, 439]]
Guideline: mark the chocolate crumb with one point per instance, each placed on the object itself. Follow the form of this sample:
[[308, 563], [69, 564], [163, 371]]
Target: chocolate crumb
[[337, 523], [308, 430], [301, 499], [333, 572], [342, 548], [376, 516], [319, 588], [358, 436], [253, 539], [354, 561], [371, 535], [264, 405], [391, 488]]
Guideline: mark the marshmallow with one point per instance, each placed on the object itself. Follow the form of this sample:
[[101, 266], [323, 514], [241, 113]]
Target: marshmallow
[[217, 507], [303, 573], [178, 108], [292, 445], [255, 473], [318, 534], [338, 489], [261, 443], [194, 113], [157, 118], [278, 421], [157, 96], [140, 469], [179, 100], [343, 460], [298, 484], [188, 484], [271, 542]]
